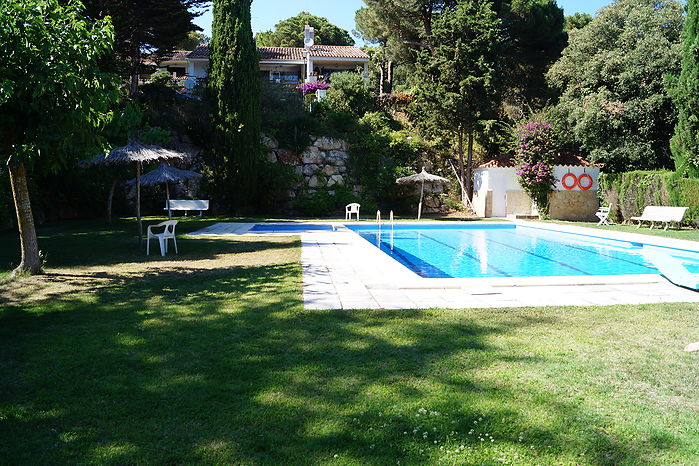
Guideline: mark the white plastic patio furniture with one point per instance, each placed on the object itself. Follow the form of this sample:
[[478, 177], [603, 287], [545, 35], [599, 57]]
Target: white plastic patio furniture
[[186, 205], [350, 209], [660, 214], [603, 215], [168, 233]]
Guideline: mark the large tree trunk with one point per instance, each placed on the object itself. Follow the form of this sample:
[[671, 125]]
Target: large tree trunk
[[461, 164], [469, 165], [30, 262], [110, 200], [135, 64], [381, 77], [389, 79], [138, 204]]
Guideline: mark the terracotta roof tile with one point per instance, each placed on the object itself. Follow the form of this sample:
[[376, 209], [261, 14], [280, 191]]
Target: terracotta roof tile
[[177, 55], [281, 53], [295, 53], [338, 51], [568, 159], [200, 52]]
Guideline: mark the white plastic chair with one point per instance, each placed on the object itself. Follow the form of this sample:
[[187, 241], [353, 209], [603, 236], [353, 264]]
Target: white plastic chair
[[603, 215], [168, 233], [350, 209]]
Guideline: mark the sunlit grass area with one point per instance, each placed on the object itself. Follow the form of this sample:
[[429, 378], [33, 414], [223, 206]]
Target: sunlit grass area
[[209, 357], [686, 233]]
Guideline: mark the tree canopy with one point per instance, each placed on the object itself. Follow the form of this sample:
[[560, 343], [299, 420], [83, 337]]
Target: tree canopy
[[685, 93], [193, 40], [458, 75], [611, 78], [532, 31], [53, 95], [290, 32], [150, 28], [577, 21]]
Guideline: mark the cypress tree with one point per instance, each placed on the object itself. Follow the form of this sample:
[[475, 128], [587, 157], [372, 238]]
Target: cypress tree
[[234, 85], [685, 93]]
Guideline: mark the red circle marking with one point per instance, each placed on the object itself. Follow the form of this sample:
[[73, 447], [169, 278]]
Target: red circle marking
[[563, 181], [589, 179]]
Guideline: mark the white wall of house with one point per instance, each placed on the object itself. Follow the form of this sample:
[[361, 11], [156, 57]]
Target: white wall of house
[[196, 69], [496, 189]]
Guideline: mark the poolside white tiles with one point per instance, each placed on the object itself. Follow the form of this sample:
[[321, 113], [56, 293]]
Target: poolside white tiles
[[343, 271]]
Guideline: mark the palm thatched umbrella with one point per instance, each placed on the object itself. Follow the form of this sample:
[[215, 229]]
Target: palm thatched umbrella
[[422, 178], [166, 174], [139, 154]]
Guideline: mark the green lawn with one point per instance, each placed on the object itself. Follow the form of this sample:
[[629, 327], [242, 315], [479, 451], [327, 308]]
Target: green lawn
[[690, 234], [209, 357]]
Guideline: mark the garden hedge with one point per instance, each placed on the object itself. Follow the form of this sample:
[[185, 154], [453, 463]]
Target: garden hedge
[[630, 192]]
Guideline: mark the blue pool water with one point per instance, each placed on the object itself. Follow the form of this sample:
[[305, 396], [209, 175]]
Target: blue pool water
[[291, 227], [451, 251]]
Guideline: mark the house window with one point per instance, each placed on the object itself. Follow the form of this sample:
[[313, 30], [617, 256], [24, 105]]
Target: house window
[[179, 71], [284, 76]]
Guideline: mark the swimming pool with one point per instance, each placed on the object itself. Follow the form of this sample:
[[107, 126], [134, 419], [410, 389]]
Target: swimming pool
[[290, 227], [498, 250]]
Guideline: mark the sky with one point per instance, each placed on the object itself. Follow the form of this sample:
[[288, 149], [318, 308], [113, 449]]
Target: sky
[[267, 13]]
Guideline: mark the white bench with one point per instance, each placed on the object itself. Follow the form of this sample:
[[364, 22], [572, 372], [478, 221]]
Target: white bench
[[660, 214], [187, 205]]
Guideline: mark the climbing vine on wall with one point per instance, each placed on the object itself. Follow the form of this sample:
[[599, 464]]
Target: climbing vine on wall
[[535, 153]]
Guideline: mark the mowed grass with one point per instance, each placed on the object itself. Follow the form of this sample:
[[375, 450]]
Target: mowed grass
[[209, 357], [686, 233]]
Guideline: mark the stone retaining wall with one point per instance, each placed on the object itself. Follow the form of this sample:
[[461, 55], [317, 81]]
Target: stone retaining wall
[[322, 164], [574, 205]]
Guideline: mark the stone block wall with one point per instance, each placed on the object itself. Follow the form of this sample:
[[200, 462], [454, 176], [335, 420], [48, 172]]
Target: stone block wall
[[322, 164], [574, 205], [518, 203]]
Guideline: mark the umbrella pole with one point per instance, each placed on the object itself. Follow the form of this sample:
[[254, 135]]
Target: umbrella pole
[[167, 193], [419, 206], [138, 204]]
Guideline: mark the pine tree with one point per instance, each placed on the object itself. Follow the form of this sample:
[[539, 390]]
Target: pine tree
[[459, 79], [289, 32], [685, 94], [234, 85], [150, 28]]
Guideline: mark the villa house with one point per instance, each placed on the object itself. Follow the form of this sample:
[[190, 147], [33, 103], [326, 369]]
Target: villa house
[[291, 65]]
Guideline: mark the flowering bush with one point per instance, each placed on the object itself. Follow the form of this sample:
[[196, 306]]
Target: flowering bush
[[311, 88], [534, 154]]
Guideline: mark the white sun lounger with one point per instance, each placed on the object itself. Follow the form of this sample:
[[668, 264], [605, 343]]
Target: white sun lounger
[[660, 214]]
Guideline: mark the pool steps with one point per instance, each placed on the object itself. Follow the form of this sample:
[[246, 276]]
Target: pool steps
[[672, 268]]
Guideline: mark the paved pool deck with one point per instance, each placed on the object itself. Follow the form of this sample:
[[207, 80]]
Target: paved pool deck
[[341, 270]]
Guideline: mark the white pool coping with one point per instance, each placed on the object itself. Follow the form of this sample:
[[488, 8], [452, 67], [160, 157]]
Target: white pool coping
[[341, 270]]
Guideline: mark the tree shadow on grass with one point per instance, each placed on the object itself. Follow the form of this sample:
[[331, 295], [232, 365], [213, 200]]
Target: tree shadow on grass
[[230, 368], [88, 243]]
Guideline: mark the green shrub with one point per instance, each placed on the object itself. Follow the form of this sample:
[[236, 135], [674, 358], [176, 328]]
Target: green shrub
[[285, 118], [379, 122], [326, 201], [631, 192], [277, 179], [154, 135], [164, 78], [685, 192], [349, 94]]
